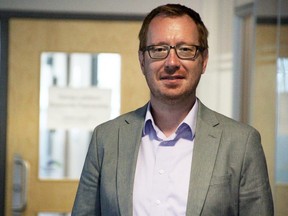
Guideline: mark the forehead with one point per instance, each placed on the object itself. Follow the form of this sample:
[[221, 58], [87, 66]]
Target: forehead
[[172, 29]]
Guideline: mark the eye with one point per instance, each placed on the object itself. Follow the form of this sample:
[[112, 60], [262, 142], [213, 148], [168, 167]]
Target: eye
[[158, 49], [186, 49]]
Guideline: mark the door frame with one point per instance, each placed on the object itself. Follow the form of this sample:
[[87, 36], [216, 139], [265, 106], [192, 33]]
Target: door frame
[[3, 107], [5, 17]]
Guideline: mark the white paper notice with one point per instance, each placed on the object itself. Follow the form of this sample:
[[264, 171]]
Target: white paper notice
[[82, 108]]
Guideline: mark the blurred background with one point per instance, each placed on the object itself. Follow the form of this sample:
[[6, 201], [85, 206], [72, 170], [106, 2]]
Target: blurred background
[[66, 66]]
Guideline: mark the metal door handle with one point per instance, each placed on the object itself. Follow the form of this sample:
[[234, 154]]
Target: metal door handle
[[20, 184]]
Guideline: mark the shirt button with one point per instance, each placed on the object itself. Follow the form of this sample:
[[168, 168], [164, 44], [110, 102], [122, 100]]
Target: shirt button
[[161, 171], [158, 202]]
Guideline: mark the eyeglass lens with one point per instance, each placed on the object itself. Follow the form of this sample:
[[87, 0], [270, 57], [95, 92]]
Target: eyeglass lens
[[183, 51]]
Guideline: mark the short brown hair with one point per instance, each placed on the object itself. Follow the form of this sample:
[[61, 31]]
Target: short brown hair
[[173, 10]]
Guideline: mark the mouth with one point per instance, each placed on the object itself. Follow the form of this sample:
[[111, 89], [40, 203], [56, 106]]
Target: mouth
[[174, 77]]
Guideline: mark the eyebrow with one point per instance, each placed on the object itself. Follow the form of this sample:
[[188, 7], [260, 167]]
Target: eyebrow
[[164, 43]]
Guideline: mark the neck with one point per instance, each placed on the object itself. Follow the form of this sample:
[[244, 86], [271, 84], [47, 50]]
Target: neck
[[168, 116]]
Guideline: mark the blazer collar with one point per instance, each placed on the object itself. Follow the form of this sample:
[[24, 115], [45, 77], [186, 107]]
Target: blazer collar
[[207, 139], [130, 133]]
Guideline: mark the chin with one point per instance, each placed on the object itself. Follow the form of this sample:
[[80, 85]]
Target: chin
[[177, 98]]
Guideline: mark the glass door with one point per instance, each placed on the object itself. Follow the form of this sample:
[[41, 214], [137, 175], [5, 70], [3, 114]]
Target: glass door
[[62, 83]]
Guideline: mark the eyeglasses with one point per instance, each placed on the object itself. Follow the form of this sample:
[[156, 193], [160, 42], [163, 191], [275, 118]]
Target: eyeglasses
[[182, 51]]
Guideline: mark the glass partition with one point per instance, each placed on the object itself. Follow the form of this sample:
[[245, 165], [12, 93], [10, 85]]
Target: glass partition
[[282, 95], [78, 91], [282, 122]]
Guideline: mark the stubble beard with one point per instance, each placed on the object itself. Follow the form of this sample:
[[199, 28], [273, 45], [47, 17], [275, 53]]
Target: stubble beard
[[171, 99]]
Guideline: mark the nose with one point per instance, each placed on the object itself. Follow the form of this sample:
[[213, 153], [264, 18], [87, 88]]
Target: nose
[[172, 62]]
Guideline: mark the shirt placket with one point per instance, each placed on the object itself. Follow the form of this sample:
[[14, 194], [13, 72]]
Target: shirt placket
[[161, 186]]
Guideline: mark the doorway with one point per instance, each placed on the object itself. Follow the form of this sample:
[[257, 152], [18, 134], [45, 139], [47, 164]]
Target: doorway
[[28, 39]]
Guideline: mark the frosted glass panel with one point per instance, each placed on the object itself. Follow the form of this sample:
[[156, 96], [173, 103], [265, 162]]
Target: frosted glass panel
[[282, 122], [78, 91]]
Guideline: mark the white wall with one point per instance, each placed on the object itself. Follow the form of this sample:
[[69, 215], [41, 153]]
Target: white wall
[[215, 88]]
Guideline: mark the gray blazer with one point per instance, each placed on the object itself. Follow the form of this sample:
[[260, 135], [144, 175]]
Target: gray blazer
[[228, 175]]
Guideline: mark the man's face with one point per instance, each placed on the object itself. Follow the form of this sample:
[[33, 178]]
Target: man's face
[[172, 79]]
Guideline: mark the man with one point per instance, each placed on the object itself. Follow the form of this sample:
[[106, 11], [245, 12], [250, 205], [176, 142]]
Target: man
[[174, 156]]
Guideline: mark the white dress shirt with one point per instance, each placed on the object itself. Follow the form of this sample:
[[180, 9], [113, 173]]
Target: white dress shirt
[[163, 168]]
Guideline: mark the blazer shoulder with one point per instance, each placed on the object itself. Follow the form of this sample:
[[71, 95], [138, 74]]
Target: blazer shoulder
[[223, 121]]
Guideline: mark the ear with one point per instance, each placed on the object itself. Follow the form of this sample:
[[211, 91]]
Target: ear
[[141, 58], [205, 56]]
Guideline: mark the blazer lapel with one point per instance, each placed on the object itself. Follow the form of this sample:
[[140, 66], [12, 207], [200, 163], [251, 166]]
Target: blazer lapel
[[207, 139], [130, 134]]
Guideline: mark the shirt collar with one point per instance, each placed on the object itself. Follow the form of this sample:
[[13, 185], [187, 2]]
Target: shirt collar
[[189, 120]]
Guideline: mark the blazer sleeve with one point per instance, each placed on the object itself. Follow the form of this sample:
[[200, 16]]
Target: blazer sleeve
[[255, 197], [87, 201]]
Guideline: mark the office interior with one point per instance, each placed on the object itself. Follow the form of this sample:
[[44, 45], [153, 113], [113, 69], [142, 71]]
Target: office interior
[[79, 49]]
